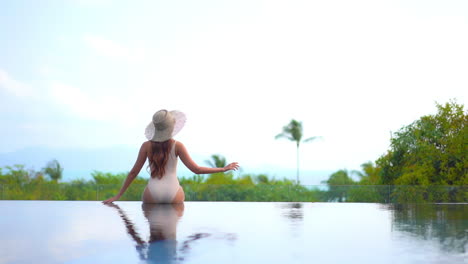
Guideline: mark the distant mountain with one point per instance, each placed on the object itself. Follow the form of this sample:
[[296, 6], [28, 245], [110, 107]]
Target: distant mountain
[[77, 162], [118, 157], [81, 162]]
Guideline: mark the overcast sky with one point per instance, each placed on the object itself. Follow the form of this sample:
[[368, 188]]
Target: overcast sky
[[89, 73]]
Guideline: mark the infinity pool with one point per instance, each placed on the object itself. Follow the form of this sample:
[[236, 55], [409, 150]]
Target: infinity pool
[[232, 232]]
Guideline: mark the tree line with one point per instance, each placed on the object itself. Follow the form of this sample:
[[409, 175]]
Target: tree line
[[426, 162]]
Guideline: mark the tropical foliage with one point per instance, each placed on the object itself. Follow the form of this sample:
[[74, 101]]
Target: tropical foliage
[[17, 183], [293, 132], [426, 162], [217, 161], [54, 170], [430, 151]]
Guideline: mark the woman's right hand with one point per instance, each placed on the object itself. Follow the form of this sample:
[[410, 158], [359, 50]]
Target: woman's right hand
[[111, 200], [231, 166]]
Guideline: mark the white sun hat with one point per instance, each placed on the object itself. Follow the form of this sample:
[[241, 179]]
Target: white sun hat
[[165, 125]]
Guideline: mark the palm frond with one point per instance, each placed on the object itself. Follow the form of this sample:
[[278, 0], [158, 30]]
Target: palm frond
[[292, 131], [54, 170], [217, 161], [284, 135], [311, 139]]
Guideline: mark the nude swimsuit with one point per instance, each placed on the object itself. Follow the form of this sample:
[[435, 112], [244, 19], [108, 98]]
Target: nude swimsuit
[[165, 189]]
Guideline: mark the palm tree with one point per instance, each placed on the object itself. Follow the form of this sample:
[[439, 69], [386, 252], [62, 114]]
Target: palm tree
[[370, 173], [293, 132], [338, 185], [54, 170], [218, 161]]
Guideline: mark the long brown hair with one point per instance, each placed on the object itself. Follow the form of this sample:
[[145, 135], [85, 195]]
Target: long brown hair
[[159, 155]]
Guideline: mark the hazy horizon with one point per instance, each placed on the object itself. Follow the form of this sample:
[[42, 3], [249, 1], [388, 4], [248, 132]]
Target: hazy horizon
[[80, 163]]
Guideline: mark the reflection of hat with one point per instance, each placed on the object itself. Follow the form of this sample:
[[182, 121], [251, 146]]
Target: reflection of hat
[[165, 125]]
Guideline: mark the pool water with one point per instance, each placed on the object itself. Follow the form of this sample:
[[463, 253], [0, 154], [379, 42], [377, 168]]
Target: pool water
[[232, 232]]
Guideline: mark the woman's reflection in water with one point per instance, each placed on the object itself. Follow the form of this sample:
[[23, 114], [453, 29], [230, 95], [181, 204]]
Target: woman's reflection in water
[[161, 246]]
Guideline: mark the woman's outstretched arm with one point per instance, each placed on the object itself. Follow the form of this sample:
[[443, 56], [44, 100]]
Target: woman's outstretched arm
[[132, 174], [187, 160]]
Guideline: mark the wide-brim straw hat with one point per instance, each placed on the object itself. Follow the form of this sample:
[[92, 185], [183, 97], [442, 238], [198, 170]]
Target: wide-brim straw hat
[[165, 125]]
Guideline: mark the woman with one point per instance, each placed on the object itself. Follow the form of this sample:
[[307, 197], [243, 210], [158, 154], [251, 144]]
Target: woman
[[162, 152]]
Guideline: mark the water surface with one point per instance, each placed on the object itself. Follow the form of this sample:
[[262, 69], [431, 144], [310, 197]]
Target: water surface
[[232, 232]]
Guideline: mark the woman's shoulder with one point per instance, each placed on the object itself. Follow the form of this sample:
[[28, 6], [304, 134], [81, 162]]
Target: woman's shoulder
[[178, 146], [146, 146]]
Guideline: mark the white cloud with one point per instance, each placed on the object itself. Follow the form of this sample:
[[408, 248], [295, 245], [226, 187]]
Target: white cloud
[[47, 71], [110, 108], [13, 86]]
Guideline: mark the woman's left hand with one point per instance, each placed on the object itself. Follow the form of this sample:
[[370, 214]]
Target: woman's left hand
[[231, 166]]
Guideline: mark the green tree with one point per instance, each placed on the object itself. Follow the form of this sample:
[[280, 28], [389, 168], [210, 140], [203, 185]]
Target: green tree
[[293, 132], [195, 179], [108, 177], [338, 185], [16, 174], [370, 174], [220, 178], [217, 161], [430, 151], [262, 179], [54, 170], [341, 177]]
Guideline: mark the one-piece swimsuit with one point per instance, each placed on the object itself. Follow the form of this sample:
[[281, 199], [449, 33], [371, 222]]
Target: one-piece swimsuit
[[164, 189]]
